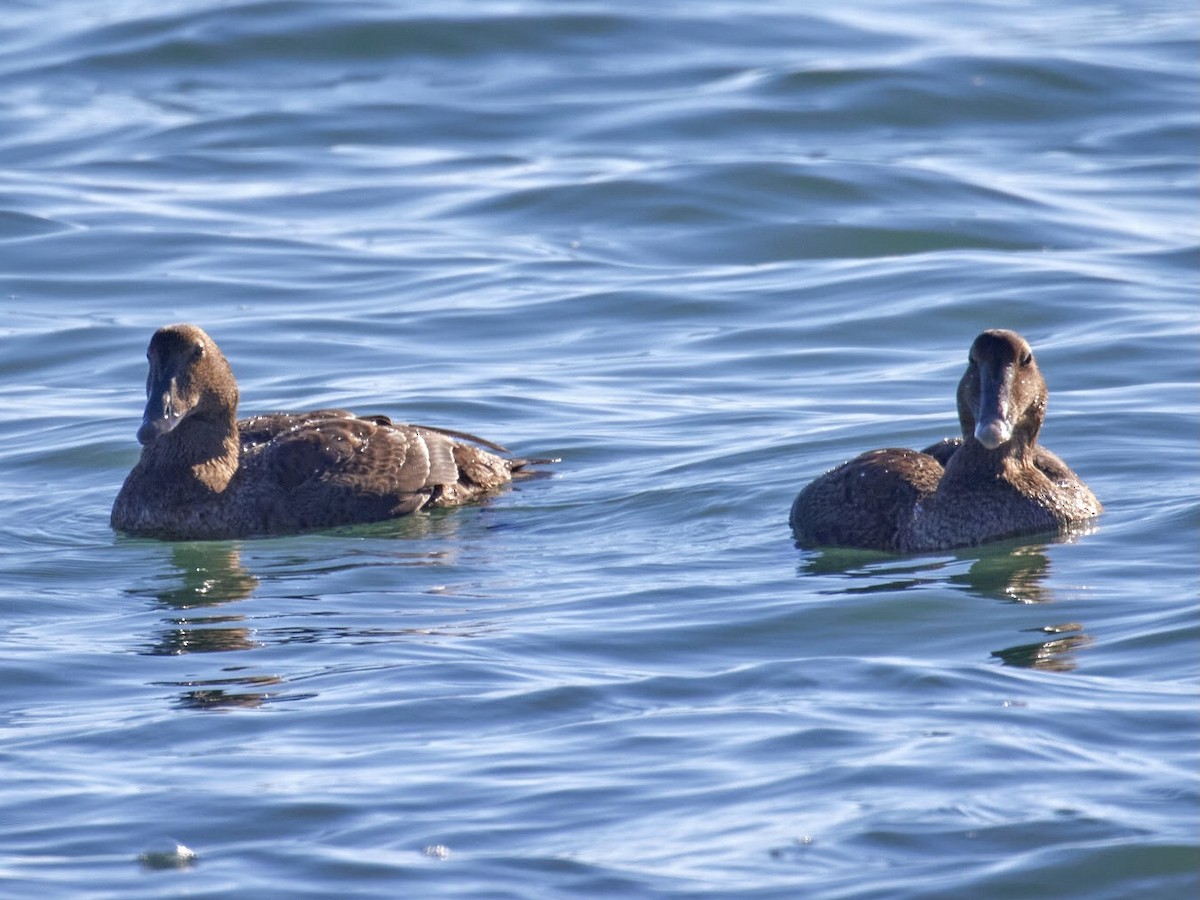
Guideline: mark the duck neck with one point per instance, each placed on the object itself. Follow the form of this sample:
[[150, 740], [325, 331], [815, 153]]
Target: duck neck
[[208, 449], [217, 471], [1019, 451]]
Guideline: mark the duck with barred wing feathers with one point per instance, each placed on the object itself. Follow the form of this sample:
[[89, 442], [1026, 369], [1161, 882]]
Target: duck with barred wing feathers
[[203, 474]]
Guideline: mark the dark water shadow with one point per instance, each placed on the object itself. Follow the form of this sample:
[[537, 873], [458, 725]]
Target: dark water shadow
[[205, 580], [1008, 571], [205, 576], [1055, 654]]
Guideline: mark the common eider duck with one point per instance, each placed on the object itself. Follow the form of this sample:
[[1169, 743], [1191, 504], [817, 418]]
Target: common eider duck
[[994, 482], [203, 474]]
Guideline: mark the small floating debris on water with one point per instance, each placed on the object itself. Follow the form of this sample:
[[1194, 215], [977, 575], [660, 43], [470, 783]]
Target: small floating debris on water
[[172, 856], [795, 847], [437, 851]]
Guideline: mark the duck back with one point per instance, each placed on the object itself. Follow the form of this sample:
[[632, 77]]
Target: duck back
[[867, 502]]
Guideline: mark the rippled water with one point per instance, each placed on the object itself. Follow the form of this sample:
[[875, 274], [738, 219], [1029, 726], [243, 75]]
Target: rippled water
[[701, 252]]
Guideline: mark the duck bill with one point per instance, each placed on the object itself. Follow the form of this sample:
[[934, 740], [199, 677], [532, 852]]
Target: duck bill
[[993, 418], [161, 416]]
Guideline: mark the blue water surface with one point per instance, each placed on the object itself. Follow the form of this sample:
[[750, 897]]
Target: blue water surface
[[700, 251]]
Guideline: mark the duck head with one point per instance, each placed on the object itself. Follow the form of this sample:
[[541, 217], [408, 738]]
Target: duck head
[[189, 379], [1002, 395]]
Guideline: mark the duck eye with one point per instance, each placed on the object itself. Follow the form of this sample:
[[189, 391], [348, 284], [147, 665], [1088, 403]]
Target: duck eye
[[1026, 359], [197, 350]]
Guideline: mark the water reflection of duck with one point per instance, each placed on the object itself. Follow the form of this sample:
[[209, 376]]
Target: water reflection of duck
[[994, 482], [203, 474]]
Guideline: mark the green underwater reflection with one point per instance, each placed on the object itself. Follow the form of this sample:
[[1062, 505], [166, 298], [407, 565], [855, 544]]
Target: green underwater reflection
[[1007, 571]]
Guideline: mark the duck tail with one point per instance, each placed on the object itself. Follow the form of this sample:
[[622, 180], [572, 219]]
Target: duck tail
[[520, 466]]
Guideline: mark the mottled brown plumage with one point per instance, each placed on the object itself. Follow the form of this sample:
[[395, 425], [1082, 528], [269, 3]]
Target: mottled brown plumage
[[205, 475], [994, 482]]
